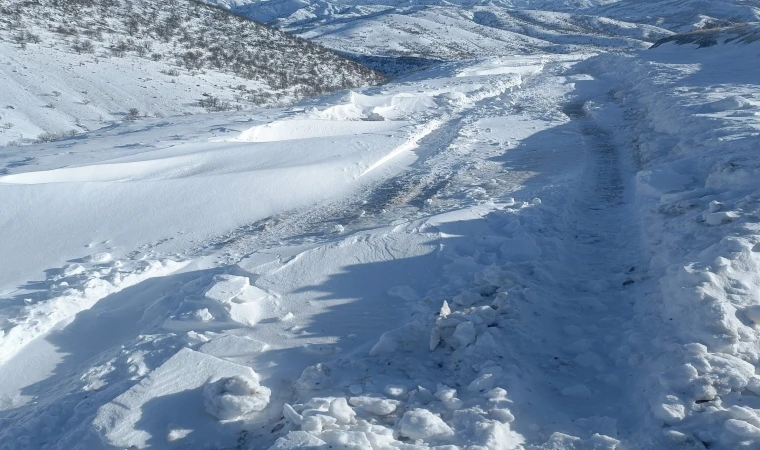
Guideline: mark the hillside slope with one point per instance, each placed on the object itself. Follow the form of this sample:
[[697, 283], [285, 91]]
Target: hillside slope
[[79, 65], [442, 30], [683, 15]]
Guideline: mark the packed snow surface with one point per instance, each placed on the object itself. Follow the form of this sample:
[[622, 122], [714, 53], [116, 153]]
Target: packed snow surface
[[555, 252]]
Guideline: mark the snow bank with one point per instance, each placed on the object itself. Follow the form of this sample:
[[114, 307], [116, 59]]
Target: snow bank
[[182, 181], [695, 135], [73, 288]]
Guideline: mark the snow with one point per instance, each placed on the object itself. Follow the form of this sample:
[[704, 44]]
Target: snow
[[398, 37], [538, 251], [422, 424], [172, 395], [232, 398]]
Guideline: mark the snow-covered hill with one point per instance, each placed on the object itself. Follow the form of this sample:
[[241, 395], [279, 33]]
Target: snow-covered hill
[[69, 67], [444, 30], [684, 15], [440, 30]]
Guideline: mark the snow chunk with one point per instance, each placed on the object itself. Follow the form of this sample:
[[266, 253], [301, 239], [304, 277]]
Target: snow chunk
[[231, 398], [448, 397], [177, 434], [671, 411], [422, 424], [99, 258], [374, 405], [314, 377], [238, 297], [743, 429], [394, 390], [297, 440], [753, 313], [486, 379], [340, 409], [227, 288], [720, 217], [503, 415], [465, 334], [203, 315], [445, 310], [71, 270], [404, 338], [170, 394], [565, 442], [346, 440]]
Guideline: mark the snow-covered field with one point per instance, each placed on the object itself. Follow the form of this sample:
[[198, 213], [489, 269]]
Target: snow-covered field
[[546, 251]]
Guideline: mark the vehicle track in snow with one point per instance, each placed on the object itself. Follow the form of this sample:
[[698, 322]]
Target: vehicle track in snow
[[403, 197], [588, 341], [590, 345]]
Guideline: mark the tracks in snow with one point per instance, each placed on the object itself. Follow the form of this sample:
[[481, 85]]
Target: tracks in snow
[[589, 320], [577, 341], [586, 333], [400, 198]]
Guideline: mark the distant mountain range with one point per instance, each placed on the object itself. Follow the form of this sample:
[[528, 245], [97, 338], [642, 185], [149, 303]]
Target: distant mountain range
[[455, 29]]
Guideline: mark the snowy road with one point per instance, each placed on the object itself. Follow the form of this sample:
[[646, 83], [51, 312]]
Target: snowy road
[[323, 297], [480, 270]]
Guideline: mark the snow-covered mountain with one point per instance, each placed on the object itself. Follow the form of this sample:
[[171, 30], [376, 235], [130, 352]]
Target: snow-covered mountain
[[442, 30], [72, 66], [672, 14], [684, 15]]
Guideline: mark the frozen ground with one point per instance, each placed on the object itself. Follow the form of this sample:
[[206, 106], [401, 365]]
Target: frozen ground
[[533, 252]]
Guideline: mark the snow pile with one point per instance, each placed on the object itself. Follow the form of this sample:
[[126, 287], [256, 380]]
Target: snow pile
[[182, 394], [232, 398], [696, 134]]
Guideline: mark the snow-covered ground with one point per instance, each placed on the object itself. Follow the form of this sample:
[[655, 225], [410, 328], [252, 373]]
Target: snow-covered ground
[[515, 252], [70, 67]]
